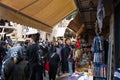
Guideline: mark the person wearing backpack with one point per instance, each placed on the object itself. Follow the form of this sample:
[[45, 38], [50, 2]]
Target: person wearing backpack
[[35, 67]]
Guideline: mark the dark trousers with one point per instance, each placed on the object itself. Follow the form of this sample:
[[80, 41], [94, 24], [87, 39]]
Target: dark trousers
[[64, 67], [36, 72], [52, 73], [44, 73]]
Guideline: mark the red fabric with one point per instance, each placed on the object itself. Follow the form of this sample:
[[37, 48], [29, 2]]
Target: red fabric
[[78, 44], [47, 66]]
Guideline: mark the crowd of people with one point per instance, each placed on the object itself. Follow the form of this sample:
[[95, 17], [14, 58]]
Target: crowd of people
[[27, 61]]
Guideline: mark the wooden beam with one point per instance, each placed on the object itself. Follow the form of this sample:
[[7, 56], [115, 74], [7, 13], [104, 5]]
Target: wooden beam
[[80, 30], [88, 9]]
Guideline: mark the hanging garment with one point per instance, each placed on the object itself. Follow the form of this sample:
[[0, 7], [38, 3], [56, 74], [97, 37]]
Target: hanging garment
[[99, 70], [99, 66], [100, 14], [98, 44]]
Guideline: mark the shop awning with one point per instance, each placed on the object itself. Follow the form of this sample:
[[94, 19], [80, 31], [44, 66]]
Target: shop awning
[[40, 14], [76, 24]]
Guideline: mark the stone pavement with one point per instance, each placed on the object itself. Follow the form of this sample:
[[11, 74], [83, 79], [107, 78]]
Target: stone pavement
[[62, 77]]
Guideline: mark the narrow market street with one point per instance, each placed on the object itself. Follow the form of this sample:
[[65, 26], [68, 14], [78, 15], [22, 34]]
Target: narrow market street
[[59, 40]]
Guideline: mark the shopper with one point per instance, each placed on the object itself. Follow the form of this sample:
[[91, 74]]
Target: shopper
[[71, 60], [58, 51], [44, 52], [14, 67], [36, 69], [54, 61], [64, 55]]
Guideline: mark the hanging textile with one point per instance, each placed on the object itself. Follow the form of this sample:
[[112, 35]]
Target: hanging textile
[[99, 55], [100, 14]]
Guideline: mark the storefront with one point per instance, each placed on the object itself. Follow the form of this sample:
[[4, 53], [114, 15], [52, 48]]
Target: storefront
[[88, 13]]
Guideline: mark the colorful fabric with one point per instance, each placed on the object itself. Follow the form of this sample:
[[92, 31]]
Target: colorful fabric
[[100, 70], [98, 44], [98, 58], [99, 66]]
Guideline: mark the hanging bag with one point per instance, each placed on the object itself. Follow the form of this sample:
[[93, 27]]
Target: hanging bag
[[47, 64]]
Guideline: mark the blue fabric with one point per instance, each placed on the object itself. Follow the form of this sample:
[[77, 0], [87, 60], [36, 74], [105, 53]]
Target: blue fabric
[[70, 66], [17, 51], [71, 56], [97, 44], [99, 66]]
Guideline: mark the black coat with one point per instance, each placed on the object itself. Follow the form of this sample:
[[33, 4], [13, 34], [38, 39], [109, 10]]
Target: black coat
[[2, 54], [64, 55], [32, 54], [14, 71]]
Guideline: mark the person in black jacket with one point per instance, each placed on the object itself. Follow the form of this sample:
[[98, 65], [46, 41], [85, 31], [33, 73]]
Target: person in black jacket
[[54, 61], [2, 54], [64, 55], [14, 68], [36, 69]]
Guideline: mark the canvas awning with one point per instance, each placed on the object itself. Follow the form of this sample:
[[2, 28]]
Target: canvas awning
[[40, 14]]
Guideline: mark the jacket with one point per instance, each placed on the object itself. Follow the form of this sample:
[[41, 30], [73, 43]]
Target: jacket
[[14, 71]]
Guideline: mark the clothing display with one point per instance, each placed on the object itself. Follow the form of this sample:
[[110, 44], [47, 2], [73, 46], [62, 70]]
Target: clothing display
[[100, 14], [99, 71], [80, 76]]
